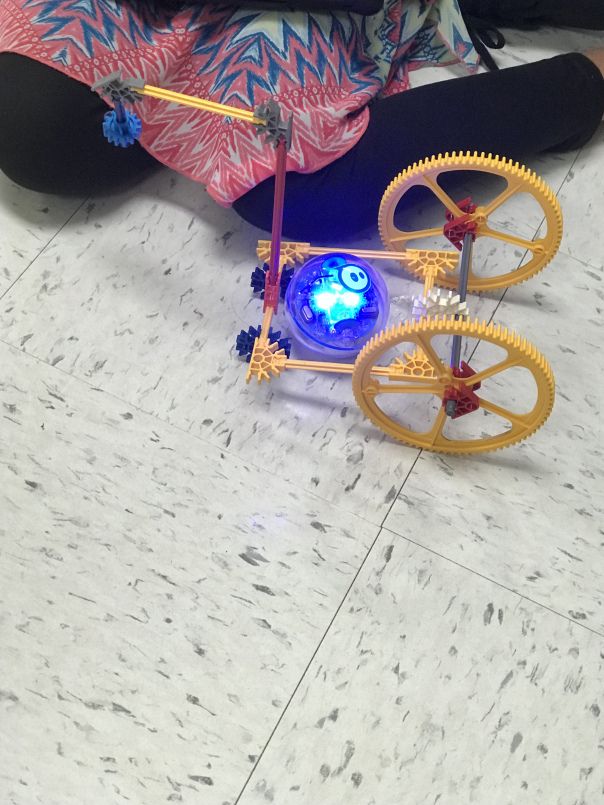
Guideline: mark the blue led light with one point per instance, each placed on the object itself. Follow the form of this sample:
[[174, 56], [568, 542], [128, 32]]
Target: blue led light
[[352, 300], [322, 300], [335, 303]]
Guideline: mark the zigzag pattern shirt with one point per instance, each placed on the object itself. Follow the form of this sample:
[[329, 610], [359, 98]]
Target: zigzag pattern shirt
[[326, 68]]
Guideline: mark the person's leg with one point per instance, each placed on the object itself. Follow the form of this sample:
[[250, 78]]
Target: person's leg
[[554, 104], [587, 14], [51, 137]]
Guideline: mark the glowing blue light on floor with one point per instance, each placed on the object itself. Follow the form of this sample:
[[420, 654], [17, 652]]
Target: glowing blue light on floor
[[335, 303]]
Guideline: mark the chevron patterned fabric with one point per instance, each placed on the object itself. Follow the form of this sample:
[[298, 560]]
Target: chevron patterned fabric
[[326, 68]]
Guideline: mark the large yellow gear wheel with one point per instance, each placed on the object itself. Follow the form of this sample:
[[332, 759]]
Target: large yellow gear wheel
[[518, 180], [370, 380]]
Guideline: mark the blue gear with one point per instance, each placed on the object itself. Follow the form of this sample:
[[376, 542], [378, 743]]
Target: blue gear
[[246, 339], [122, 132], [258, 280]]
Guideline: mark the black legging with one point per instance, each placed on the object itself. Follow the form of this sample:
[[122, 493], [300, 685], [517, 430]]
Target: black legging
[[555, 104], [530, 13], [51, 139]]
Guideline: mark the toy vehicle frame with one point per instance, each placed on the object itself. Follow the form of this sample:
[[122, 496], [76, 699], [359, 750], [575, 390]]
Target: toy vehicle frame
[[421, 370]]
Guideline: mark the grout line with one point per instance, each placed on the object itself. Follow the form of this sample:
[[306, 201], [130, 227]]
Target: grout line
[[306, 669], [496, 583], [43, 249], [396, 497], [569, 171], [322, 639]]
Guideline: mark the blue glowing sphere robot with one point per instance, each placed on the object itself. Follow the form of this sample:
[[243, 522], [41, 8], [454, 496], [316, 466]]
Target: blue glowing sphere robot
[[335, 303]]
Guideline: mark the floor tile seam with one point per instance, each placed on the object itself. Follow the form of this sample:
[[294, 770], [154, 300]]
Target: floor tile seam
[[36, 257], [325, 633], [519, 595], [568, 172], [304, 673]]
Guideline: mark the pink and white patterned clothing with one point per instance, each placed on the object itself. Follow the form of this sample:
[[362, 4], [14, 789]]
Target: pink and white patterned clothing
[[326, 68]]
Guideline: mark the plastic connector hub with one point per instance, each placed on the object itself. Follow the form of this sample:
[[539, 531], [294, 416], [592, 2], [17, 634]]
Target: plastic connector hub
[[459, 401], [456, 227], [271, 295]]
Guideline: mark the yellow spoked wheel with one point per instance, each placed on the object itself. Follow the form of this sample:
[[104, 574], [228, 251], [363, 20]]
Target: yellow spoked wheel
[[518, 180], [417, 355]]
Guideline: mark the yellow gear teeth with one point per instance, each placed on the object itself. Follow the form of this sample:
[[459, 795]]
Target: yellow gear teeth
[[519, 351], [524, 181]]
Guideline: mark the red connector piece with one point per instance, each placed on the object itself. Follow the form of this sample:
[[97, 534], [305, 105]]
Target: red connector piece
[[465, 370], [273, 276], [466, 401], [272, 292], [459, 226]]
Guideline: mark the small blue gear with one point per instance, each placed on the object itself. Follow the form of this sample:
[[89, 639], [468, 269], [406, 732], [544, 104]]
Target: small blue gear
[[122, 132], [246, 339], [258, 280], [245, 342]]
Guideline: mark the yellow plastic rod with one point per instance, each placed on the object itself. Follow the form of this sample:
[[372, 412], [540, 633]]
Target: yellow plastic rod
[[200, 103], [334, 368], [306, 250], [267, 320], [320, 366]]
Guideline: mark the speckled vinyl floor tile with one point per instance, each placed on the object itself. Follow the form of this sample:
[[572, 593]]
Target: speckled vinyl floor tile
[[437, 686], [581, 197], [159, 599], [531, 518], [181, 618], [28, 222]]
